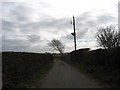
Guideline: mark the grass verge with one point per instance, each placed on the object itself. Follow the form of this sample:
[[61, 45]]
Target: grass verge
[[105, 76], [32, 80]]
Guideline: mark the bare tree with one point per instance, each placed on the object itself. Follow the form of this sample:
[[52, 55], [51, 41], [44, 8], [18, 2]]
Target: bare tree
[[108, 37], [57, 45]]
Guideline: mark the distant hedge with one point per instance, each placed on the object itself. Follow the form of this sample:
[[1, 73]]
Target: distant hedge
[[99, 57], [17, 66]]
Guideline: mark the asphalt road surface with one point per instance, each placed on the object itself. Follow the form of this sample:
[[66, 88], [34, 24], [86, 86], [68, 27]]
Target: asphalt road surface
[[63, 75]]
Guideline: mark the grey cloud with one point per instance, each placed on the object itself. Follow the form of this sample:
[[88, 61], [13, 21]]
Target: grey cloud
[[119, 15], [68, 36], [39, 48], [52, 23], [18, 16], [82, 19], [15, 15], [16, 11], [48, 24], [85, 23], [106, 18], [9, 25], [88, 19], [33, 38], [80, 34], [82, 26], [14, 45], [23, 45], [84, 16], [44, 4]]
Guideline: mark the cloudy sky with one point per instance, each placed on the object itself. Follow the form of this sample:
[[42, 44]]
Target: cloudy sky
[[29, 25]]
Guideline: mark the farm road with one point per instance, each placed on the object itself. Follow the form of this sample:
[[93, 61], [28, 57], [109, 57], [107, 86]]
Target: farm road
[[63, 75]]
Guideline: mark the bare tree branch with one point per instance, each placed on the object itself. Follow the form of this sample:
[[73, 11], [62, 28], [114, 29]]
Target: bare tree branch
[[57, 45], [108, 37]]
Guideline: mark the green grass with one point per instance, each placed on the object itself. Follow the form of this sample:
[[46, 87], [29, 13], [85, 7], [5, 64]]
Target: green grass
[[105, 76], [31, 82]]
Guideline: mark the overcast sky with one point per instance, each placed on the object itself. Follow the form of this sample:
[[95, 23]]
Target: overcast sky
[[29, 25]]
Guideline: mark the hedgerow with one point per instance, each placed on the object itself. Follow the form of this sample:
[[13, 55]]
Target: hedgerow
[[18, 66]]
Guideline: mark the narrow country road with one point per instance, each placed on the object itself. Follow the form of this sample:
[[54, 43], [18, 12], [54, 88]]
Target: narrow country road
[[63, 75]]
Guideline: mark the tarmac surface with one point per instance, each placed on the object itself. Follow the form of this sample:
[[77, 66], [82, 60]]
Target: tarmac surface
[[63, 75]]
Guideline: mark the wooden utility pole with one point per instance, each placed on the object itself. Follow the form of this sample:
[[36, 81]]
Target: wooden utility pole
[[74, 33]]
